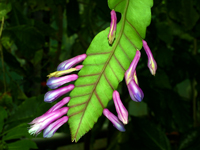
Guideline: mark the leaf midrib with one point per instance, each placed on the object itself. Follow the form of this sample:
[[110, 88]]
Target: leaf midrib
[[103, 70]]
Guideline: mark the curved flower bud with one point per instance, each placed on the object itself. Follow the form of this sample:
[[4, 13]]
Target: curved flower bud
[[55, 82], [129, 74], [152, 65], [59, 104], [52, 109], [113, 24], [54, 94], [63, 72], [52, 128], [121, 110], [71, 62], [45, 120], [116, 123], [135, 91]]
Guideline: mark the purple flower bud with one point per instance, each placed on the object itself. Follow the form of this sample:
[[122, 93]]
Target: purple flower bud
[[135, 92], [59, 104], [45, 120], [152, 65], [121, 110], [116, 123], [71, 62], [129, 74], [54, 94], [111, 35], [52, 109], [53, 127], [55, 82], [79, 67]]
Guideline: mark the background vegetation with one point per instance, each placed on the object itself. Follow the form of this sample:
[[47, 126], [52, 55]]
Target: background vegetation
[[38, 34]]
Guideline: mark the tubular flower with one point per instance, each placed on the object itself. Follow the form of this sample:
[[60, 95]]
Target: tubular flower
[[63, 72], [112, 32], [152, 65], [130, 72], [54, 94], [116, 123], [67, 64], [52, 109], [59, 104], [51, 120], [55, 82], [135, 92], [121, 110], [53, 127], [45, 120]]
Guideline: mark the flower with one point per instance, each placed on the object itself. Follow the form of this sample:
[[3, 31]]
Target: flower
[[135, 91], [52, 109], [51, 120], [121, 110], [45, 120], [54, 94], [55, 82], [63, 72], [59, 104], [129, 74], [112, 32], [53, 127], [116, 123], [71, 62], [152, 65]]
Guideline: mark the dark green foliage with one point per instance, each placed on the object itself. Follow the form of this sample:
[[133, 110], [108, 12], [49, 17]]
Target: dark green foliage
[[39, 34]]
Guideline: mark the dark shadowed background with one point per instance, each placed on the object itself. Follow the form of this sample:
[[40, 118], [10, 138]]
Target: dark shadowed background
[[39, 34]]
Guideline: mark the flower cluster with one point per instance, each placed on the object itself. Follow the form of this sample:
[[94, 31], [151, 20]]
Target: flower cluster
[[135, 91], [54, 117], [132, 83]]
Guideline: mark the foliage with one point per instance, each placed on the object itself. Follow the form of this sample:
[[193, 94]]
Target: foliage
[[39, 34]]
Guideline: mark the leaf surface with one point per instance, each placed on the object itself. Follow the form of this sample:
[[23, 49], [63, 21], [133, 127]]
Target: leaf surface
[[105, 65]]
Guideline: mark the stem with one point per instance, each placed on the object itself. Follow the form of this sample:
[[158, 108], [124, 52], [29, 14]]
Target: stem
[[2, 60]]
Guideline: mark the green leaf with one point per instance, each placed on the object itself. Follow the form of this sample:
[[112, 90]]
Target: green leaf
[[17, 132], [2, 117], [27, 109], [4, 9], [27, 39], [190, 141], [105, 65], [151, 135], [22, 145]]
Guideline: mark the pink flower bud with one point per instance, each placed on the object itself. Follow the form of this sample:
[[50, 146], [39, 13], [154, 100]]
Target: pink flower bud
[[71, 62], [129, 74], [55, 82], [152, 65], [116, 123], [45, 120], [53, 127], [54, 94], [113, 24], [135, 91], [121, 110]]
